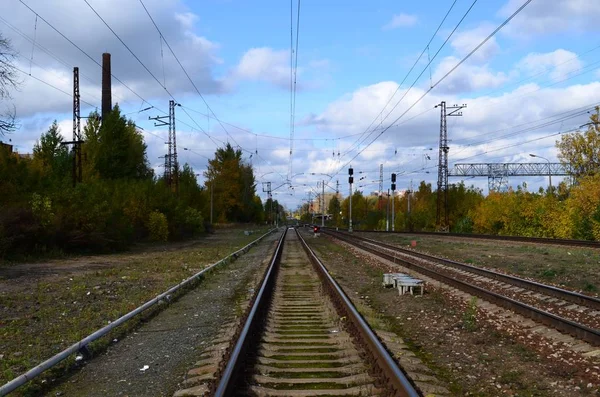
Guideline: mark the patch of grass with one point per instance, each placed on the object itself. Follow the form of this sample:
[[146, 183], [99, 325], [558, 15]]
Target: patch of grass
[[589, 287], [469, 318], [307, 386], [292, 364], [308, 375], [46, 317], [512, 377], [299, 357], [315, 350], [548, 273]]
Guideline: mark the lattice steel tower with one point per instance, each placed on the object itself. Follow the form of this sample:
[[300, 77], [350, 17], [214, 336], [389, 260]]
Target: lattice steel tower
[[442, 190], [171, 174], [77, 173]]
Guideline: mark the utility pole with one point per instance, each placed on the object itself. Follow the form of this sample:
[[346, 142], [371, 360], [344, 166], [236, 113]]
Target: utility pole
[[393, 199], [350, 181], [409, 193], [76, 142], [442, 192], [211, 201], [171, 174], [159, 121], [267, 189], [380, 185], [173, 149], [387, 212], [323, 201]]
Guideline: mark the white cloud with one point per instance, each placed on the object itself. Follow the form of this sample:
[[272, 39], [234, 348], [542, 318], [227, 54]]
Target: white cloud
[[265, 64], [467, 77], [557, 63], [554, 16], [197, 53], [482, 122], [401, 20], [465, 41]]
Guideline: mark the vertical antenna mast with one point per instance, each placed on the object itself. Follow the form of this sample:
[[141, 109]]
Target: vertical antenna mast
[[442, 223]]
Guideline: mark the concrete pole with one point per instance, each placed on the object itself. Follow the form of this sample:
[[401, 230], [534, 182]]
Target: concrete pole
[[211, 201], [393, 213], [387, 212], [350, 212], [323, 201]]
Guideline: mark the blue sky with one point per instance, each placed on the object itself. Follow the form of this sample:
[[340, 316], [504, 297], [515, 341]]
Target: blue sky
[[351, 58]]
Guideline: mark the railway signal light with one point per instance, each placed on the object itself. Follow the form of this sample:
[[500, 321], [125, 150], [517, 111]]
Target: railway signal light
[[393, 186], [350, 171], [393, 178]]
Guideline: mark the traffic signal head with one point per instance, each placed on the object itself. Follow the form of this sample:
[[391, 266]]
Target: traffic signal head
[[316, 229], [350, 171], [393, 178]]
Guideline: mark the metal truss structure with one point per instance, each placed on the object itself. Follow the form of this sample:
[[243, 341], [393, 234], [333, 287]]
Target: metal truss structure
[[498, 173]]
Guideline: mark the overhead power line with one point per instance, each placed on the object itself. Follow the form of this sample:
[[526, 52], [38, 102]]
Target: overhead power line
[[85, 53], [360, 142], [463, 60], [294, 88], [51, 85], [186, 73], [412, 67]]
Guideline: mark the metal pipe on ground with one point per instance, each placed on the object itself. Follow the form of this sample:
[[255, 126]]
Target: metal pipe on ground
[[51, 362]]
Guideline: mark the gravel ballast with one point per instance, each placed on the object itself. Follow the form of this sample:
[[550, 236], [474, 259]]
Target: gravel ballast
[[153, 360]]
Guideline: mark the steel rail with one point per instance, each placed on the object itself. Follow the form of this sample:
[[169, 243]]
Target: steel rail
[[227, 382], [571, 296], [537, 240], [401, 384], [82, 344], [578, 330]]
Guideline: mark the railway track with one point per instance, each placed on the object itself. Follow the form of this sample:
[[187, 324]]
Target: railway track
[[537, 240], [302, 337], [567, 311]]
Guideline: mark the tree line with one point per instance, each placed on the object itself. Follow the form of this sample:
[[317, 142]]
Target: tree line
[[120, 200], [569, 210]]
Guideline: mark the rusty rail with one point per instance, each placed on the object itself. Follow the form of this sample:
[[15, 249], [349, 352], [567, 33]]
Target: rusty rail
[[578, 330], [396, 381], [385, 364], [537, 240], [570, 296]]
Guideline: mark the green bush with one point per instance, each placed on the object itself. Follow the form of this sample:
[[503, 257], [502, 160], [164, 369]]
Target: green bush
[[158, 227]]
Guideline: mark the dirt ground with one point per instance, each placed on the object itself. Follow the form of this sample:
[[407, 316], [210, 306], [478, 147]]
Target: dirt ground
[[573, 268], [472, 356], [172, 342], [47, 306]]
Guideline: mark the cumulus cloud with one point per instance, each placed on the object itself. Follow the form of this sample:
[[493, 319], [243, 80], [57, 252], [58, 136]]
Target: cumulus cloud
[[465, 41], [542, 17], [468, 77], [401, 20], [198, 54], [265, 64], [557, 63]]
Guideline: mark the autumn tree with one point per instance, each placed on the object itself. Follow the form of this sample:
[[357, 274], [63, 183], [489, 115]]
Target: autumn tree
[[580, 152], [50, 154], [8, 82], [118, 149], [334, 209], [234, 186]]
